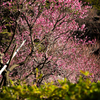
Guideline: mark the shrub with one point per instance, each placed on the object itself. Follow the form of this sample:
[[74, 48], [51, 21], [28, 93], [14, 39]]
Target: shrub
[[84, 89]]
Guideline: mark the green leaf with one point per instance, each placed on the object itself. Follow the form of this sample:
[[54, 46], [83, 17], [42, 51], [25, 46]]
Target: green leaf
[[12, 83], [86, 73], [67, 97]]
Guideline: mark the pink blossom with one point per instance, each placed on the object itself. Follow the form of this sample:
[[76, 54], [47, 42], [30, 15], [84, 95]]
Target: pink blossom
[[63, 51]]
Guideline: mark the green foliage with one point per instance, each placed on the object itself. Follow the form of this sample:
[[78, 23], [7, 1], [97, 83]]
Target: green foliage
[[40, 47], [47, 4], [84, 89], [95, 3], [86, 73], [5, 36]]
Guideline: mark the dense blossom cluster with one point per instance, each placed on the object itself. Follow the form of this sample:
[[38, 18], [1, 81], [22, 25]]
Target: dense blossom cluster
[[53, 23]]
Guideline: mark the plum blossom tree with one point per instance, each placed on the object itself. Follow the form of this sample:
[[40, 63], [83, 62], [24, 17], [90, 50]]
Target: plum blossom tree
[[52, 22]]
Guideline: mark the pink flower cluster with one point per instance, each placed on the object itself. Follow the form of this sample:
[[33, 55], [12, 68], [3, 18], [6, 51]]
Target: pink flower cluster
[[56, 26]]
